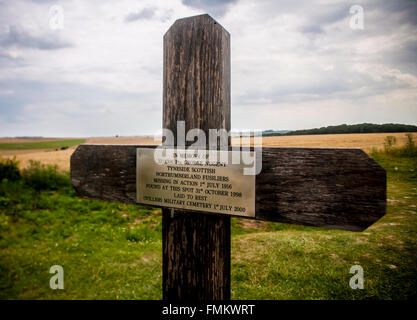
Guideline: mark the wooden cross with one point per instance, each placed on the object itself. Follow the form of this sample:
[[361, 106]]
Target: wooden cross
[[335, 188]]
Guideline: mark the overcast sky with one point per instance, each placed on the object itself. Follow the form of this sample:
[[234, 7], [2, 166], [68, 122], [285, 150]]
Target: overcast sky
[[295, 64]]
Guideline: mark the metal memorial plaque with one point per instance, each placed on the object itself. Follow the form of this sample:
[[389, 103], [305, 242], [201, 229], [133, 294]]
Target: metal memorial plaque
[[210, 181]]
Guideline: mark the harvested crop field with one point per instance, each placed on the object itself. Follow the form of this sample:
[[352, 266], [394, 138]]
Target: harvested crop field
[[365, 141], [59, 157]]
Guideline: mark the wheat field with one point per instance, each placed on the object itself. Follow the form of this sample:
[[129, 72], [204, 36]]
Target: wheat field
[[61, 158]]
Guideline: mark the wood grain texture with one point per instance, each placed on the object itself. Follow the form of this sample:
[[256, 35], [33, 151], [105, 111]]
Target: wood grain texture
[[196, 90], [106, 172], [332, 188], [196, 86], [196, 256]]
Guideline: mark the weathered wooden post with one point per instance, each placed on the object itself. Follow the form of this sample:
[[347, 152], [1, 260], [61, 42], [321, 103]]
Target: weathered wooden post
[[196, 246], [337, 188]]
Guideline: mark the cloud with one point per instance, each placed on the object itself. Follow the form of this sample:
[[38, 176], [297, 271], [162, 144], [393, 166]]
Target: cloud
[[8, 60], [144, 14], [315, 29], [217, 8], [295, 64], [17, 36], [403, 10], [149, 13], [66, 109], [6, 92]]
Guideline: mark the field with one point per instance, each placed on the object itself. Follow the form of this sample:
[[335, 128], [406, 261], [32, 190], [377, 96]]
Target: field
[[365, 141], [62, 157], [113, 251], [48, 144], [59, 157]]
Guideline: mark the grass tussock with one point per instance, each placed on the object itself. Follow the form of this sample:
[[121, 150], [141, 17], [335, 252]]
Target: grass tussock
[[409, 150], [36, 176], [9, 169], [44, 177]]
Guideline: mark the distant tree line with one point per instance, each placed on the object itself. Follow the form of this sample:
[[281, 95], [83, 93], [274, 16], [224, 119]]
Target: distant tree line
[[352, 128]]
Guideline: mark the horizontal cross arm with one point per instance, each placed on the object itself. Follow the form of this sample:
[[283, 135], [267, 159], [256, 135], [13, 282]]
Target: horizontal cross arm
[[328, 187]]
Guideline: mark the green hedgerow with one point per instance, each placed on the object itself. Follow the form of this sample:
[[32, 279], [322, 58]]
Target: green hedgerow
[[44, 177], [9, 169]]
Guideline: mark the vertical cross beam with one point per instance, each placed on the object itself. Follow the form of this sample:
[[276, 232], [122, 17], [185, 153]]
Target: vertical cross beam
[[196, 89]]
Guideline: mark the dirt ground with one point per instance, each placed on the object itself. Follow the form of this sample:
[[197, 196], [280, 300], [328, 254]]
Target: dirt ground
[[62, 157]]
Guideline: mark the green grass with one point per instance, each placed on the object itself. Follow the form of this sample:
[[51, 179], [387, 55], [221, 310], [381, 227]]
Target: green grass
[[107, 250], [113, 251], [58, 144]]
